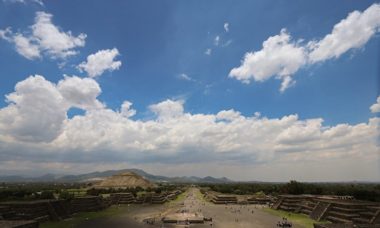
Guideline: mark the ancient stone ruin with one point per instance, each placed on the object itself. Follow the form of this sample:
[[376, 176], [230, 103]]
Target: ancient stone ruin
[[125, 180], [333, 209], [87, 203], [122, 198], [39, 210], [224, 199], [153, 198]]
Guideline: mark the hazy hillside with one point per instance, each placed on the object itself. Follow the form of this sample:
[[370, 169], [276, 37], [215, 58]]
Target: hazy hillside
[[101, 175]]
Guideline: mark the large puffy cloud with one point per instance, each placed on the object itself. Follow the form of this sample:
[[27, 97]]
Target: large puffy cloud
[[101, 61], [184, 137], [38, 108], [34, 126], [80, 92], [36, 111], [44, 38], [168, 109], [376, 107], [280, 57]]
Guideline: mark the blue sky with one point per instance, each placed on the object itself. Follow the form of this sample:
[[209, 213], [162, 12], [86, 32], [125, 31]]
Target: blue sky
[[185, 51]]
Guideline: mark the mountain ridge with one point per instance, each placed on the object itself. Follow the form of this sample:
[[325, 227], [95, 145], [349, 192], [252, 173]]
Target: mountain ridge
[[87, 177]]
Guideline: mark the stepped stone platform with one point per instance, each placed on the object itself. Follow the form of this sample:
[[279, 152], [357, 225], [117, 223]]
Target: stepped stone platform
[[87, 203], [172, 195], [39, 210], [184, 218], [217, 198], [258, 200], [224, 199], [153, 198], [334, 209], [19, 224], [122, 198], [158, 199]]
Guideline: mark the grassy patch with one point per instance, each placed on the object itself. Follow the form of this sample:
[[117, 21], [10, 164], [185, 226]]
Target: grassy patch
[[80, 217], [200, 196], [179, 198], [300, 219], [77, 192]]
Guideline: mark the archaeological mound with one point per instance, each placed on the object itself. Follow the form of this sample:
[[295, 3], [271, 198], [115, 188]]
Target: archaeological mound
[[125, 180]]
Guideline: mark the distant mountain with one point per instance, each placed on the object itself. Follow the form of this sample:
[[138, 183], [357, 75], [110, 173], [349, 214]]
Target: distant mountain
[[98, 176]]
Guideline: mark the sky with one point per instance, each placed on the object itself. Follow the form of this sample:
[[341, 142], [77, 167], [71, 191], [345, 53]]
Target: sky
[[250, 90]]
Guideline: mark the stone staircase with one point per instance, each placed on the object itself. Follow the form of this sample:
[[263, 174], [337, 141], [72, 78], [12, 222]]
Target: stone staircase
[[353, 213], [319, 210], [277, 204], [293, 203]]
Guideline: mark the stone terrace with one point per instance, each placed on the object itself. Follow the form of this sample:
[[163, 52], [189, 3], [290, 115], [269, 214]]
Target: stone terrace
[[217, 198], [122, 198], [87, 203], [335, 210], [40, 210]]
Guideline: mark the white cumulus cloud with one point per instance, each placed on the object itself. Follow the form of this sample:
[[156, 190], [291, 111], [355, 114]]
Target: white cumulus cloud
[[126, 110], [168, 109], [80, 92], [101, 61], [50, 38], [351, 32], [37, 109], [376, 107], [24, 45], [281, 57], [34, 126], [37, 114], [44, 38]]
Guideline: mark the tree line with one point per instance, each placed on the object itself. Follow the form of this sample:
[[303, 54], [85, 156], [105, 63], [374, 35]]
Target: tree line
[[360, 191]]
